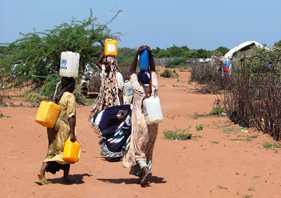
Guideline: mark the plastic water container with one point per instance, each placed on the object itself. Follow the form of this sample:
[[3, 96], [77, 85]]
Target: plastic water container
[[128, 88], [71, 151], [128, 92], [152, 110], [120, 80], [69, 64], [144, 60], [47, 114], [110, 47]]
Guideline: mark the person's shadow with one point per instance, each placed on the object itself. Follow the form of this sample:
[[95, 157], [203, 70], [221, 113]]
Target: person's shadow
[[72, 179], [154, 179]]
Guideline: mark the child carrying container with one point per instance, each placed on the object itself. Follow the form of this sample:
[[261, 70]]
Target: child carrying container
[[64, 129], [62, 133]]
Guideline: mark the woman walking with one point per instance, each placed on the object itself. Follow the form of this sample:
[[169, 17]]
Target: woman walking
[[110, 93], [143, 136], [63, 129]]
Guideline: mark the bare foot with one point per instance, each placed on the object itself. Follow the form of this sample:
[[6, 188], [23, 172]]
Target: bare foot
[[40, 176]]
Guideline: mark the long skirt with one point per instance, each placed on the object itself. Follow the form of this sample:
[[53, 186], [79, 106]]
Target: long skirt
[[56, 138]]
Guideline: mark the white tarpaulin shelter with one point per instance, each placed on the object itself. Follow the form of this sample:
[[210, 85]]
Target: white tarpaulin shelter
[[231, 52]]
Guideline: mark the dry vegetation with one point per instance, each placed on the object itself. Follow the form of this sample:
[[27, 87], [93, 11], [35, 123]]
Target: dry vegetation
[[252, 93]]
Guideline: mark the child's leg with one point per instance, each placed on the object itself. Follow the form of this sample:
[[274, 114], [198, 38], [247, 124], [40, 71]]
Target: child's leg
[[41, 176], [42, 172], [66, 171]]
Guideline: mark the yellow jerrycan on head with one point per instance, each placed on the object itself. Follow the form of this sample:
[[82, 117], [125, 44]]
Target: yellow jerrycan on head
[[47, 114], [110, 47], [71, 151]]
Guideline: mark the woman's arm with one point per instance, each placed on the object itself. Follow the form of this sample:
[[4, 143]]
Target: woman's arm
[[72, 124], [71, 112], [135, 83], [154, 82]]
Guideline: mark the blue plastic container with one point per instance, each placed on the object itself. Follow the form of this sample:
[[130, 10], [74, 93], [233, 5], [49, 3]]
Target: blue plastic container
[[144, 60]]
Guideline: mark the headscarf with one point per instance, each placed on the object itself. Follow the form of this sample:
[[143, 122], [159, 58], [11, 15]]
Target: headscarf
[[134, 65]]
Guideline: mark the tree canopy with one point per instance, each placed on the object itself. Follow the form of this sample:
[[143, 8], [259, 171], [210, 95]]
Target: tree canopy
[[37, 55]]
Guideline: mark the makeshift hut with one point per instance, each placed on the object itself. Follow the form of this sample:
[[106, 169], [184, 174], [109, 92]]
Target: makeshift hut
[[242, 51]]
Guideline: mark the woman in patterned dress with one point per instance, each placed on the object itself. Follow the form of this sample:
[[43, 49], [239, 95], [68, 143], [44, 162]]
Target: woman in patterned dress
[[110, 90]]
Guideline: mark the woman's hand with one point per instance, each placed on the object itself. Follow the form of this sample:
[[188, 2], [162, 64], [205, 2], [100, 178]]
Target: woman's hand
[[155, 92], [72, 123], [147, 91], [72, 137]]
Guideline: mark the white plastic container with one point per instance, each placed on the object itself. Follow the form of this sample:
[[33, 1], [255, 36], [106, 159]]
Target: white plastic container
[[128, 92], [152, 110], [69, 64], [120, 80]]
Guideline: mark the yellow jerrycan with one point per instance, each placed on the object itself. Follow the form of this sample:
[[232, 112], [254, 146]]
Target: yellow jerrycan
[[110, 47], [71, 151], [47, 114]]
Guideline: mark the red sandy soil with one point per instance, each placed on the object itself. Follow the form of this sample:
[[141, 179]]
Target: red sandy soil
[[220, 162]]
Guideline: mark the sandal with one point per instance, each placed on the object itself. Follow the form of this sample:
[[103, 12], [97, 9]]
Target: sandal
[[42, 182], [145, 177]]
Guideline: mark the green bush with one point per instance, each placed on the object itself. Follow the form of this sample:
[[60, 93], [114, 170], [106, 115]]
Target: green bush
[[49, 86], [167, 73], [268, 145], [34, 97], [80, 98], [178, 134], [176, 62], [253, 96], [218, 111], [199, 127], [36, 55]]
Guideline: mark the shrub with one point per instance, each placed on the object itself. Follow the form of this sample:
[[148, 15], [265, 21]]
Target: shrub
[[176, 62], [37, 54], [209, 74], [217, 111], [2, 116], [253, 97], [268, 145], [80, 98], [49, 86], [178, 134], [167, 73], [34, 97], [199, 127]]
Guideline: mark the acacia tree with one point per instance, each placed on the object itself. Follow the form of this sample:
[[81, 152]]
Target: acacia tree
[[37, 55], [220, 51], [278, 44]]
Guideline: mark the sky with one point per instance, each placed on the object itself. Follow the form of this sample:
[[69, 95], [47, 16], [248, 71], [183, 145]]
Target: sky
[[193, 23]]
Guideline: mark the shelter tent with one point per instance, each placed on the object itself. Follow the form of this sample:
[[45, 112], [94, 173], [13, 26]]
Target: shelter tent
[[241, 47]]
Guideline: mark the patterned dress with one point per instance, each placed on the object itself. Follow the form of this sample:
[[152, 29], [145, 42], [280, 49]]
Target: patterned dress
[[108, 94], [143, 136]]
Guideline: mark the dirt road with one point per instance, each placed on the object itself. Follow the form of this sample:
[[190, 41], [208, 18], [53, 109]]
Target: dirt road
[[221, 161]]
